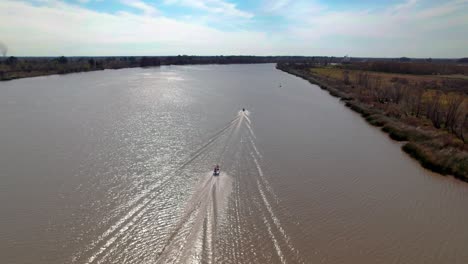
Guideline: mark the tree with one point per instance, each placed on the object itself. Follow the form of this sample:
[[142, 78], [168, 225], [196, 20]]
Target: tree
[[378, 92], [62, 60], [454, 103], [92, 63], [363, 79], [398, 89], [414, 98], [462, 127], [463, 60], [433, 108], [346, 78], [11, 60], [150, 61], [404, 59]]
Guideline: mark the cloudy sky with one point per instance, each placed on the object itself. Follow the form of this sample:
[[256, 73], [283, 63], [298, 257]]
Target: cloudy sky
[[377, 28]]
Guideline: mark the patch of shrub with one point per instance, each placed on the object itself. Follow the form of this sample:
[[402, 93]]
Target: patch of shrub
[[425, 159], [334, 93], [459, 167], [395, 133], [446, 162], [376, 120]]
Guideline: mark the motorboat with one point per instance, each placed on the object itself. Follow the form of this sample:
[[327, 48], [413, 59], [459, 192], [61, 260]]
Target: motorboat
[[216, 171]]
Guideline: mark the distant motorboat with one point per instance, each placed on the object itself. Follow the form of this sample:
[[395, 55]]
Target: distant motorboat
[[216, 171]]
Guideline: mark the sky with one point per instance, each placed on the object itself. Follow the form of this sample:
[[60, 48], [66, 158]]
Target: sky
[[357, 28]]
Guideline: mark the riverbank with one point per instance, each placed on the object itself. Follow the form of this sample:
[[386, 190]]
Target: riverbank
[[441, 149], [23, 67]]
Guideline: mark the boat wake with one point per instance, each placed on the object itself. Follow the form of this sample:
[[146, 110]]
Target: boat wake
[[227, 218]]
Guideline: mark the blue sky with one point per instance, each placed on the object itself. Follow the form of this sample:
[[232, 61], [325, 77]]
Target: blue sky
[[387, 28]]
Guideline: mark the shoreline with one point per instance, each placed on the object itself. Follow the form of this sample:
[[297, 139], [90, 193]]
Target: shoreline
[[418, 142], [13, 68], [33, 75]]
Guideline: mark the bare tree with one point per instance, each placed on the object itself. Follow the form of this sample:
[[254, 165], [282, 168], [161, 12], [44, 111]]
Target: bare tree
[[346, 78], [417, 97], [463, 126], [454, 102], [398, 89], [379, 92], [363, 79], [433, 109]]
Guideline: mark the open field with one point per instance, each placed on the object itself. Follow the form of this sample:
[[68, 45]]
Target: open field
[[454, 82]]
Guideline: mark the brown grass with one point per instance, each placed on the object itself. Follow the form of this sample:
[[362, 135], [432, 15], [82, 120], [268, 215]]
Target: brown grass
[[456, 82]]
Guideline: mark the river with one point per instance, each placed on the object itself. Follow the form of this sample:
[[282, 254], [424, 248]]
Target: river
[[116, 166]]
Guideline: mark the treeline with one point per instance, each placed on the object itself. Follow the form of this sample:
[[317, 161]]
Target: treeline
[[446, 82], [13, 67], [419, 68], [402, 98]]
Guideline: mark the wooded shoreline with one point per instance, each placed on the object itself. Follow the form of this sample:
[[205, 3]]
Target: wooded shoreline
[[23, 67], [436, 148]]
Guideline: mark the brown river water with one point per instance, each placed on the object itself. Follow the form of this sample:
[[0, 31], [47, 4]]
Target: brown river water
[[116, 167]]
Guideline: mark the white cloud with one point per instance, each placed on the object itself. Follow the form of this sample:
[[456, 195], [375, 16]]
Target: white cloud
[[64, 29], [79, 1], [219, 7], [294, 9], [142, 6], [55, 28], [407, 5], [404, 29], [275, 5]]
